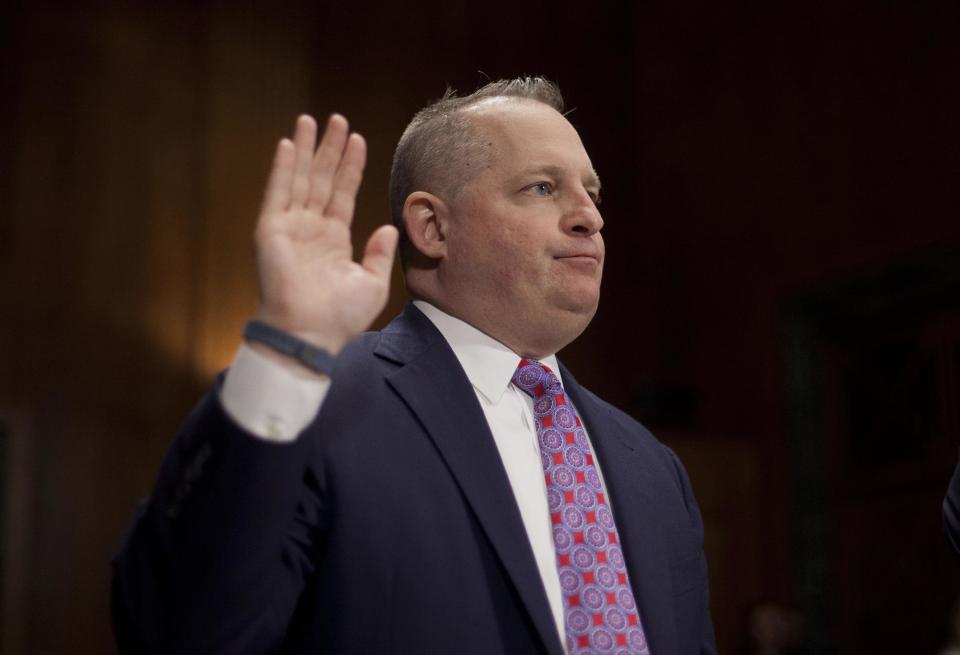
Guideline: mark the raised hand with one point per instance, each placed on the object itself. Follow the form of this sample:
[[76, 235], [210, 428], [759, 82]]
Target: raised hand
[[309, 284]]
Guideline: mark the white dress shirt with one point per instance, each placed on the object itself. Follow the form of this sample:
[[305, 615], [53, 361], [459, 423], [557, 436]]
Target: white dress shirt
[[274, 404]]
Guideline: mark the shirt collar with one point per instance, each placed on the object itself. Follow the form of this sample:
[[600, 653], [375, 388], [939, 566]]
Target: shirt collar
[[489, 364]]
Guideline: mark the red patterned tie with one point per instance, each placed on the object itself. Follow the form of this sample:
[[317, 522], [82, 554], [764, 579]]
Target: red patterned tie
[[599, 607]]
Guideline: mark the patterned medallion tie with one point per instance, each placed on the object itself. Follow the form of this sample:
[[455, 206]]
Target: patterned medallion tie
[[599, 607]]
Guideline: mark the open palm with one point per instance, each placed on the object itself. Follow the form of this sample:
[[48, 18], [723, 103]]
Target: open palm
[[309, 283]]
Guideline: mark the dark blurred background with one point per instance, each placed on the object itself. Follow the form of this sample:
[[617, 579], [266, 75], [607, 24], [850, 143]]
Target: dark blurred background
[[781, 299]]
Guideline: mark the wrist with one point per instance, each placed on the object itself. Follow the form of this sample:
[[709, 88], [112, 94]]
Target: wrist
[[283, 343], [290, 364], [323, 339]]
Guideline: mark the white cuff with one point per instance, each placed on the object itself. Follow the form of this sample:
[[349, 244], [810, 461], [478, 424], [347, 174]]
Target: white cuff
[[267, 400]]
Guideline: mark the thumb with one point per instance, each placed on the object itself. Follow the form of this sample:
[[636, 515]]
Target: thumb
[[379, 251]]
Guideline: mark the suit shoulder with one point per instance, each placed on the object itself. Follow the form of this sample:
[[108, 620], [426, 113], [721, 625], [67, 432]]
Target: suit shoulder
[[358, 361], [642, 438], [360, 347], [632, 426]]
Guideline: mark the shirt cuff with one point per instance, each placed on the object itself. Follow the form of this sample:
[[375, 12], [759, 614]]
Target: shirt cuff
[[267, 400]]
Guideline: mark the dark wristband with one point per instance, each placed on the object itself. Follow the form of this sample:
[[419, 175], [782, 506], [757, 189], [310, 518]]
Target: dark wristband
[[314, 358]]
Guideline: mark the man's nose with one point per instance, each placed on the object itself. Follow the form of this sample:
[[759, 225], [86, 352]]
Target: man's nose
[[583, 217]]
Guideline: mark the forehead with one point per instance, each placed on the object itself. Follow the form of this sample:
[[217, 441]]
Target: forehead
[[526, 134]]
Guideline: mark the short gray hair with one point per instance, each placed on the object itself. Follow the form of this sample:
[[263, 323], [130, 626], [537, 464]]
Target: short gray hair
[[440, 142]]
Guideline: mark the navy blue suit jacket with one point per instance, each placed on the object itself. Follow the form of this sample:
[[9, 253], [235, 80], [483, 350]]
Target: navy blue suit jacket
[[389, 525]]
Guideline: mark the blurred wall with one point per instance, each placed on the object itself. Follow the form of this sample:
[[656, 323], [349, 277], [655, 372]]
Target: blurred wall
[[753, 157]]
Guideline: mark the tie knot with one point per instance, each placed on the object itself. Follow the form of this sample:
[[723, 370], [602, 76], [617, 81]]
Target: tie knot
[[536, 379]]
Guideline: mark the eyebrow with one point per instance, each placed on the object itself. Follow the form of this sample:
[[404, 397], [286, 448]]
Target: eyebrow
[[592, 179]]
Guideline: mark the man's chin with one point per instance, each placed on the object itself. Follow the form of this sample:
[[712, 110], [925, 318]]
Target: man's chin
[[583, 302], [558, 325]]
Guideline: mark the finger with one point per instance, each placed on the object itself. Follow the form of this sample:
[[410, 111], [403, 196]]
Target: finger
[[277, 194], [327, 159], [343, 194], [379, 251], [304, 138]]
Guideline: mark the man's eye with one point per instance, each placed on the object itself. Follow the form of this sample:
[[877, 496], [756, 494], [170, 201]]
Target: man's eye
[[595, 197], [541, 188]]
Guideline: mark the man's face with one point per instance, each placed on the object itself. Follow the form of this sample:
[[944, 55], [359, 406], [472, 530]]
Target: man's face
[[525, 255]]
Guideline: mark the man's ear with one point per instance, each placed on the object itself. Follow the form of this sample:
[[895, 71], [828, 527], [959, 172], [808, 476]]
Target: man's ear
[[425, 219]]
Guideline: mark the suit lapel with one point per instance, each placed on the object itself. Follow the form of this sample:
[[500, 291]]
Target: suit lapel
[[432, 383], [628, 476]]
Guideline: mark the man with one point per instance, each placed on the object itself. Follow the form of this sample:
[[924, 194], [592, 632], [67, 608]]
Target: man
[[457, 492]]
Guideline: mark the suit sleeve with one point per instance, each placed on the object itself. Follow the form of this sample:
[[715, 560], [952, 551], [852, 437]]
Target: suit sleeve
[[216, 558], [707, 639], [951, 511]]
